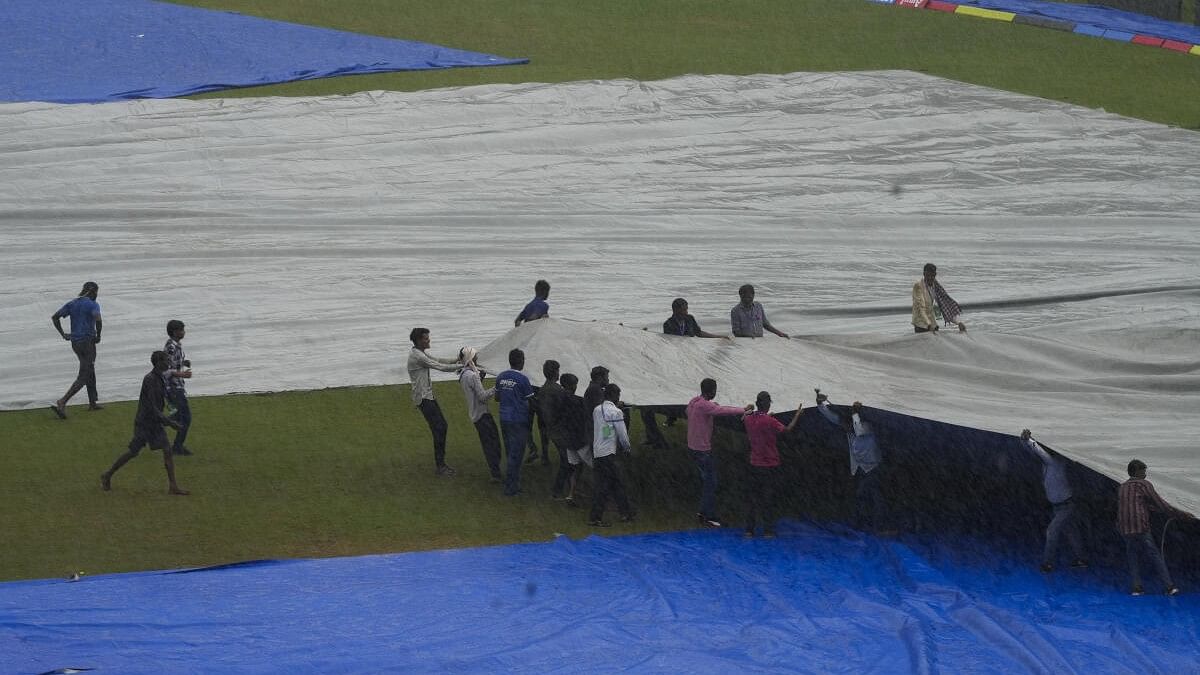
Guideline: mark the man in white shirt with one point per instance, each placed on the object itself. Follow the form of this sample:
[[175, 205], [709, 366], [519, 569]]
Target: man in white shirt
[[419, 364], [609, 432], [471, 381]]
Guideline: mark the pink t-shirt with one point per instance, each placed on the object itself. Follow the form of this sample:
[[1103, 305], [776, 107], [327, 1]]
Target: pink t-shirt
[[700, 412], [763, 431]]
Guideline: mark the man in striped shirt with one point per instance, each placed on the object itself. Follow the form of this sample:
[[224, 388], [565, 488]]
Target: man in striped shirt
[[1136, 498]]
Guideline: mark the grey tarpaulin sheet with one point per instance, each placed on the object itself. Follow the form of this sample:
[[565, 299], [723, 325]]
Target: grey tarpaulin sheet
[[302, 238]]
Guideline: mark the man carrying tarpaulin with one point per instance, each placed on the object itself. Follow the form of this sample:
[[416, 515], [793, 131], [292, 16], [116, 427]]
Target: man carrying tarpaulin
[[865, 459], [930, 299]]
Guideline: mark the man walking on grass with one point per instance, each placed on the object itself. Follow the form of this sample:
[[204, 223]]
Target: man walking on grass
[[148, 426], [84, 336], [178, 370], [419, 364]]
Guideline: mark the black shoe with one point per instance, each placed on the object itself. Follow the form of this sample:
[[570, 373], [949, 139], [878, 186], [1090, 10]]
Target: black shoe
[[572, 503], [60, 411], [748, 534], [1174, 590], [1137, 590], [181, 451], [599, 523], [1079, 564], [95, 406], [1047, 567], [445, 471]]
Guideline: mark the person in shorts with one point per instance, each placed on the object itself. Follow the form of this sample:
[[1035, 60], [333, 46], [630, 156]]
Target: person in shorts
[[148, 426]]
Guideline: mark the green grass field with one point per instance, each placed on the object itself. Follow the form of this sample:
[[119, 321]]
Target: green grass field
[[654, 39], [299, 474]]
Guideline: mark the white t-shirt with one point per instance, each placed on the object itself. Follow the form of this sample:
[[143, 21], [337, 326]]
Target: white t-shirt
[[609, 430]]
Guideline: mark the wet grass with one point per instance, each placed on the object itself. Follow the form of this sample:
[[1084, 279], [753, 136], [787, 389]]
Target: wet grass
[[654, 39]]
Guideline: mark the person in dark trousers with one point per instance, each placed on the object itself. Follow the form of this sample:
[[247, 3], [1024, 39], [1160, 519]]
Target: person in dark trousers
[[1062, 501], [570, 418], [865, 460], [86, 326], [514, 393], [762, 431], [471, 381], [537, 308], [179, 368], [609, 434], [700, 413], [148, 426], [1136, 498], [419, 365], [551, 406]]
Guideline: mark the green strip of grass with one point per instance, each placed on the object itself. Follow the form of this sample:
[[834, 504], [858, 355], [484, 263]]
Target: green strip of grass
[[298, 474], [654, 39]]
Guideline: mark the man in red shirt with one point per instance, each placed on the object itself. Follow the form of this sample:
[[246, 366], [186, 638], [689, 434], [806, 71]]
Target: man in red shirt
[[763, 431], [1136, 498]]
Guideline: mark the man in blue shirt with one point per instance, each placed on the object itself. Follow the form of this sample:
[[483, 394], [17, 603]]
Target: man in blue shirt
[[84, 336], [1062, 500], [513, 390], [537, 308]]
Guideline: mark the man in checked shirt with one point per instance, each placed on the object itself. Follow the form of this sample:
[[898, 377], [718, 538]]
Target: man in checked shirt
[[178, 370], [1136, 498]]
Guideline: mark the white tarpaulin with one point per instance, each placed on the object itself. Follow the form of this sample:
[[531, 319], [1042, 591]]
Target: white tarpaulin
[[301, 239]]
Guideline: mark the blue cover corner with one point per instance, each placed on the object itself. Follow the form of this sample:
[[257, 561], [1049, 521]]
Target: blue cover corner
[[85, 51]]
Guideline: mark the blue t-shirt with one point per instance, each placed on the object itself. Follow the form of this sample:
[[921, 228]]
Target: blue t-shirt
[[536, 309], [83, 312], [513, 391]]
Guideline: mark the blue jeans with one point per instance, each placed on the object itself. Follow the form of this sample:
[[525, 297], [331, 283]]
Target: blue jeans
[[183, 415], [1143, 543], [516, 437], [707, 464], [1064, 520]]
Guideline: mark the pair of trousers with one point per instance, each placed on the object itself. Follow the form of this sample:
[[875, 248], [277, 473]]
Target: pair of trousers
[[1143, 544], [85, 351], [654, 437], [869, 508], [707, 465], [607, 478], [437, 426], [761, 506], [489, 441], [1064, 521], [183, 415], [516, 437], [565, 470]]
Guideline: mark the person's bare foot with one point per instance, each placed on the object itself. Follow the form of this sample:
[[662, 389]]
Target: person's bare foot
[[177, 491], [105, 482]]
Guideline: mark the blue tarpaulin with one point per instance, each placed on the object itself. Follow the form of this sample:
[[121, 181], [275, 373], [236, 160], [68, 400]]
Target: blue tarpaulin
[[81, 51], [817, 599], [1095, 16]]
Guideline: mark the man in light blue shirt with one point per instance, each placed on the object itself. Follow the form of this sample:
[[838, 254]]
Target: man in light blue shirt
[[1062, 500], [84, 336], [865, 459], [513, 390]]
